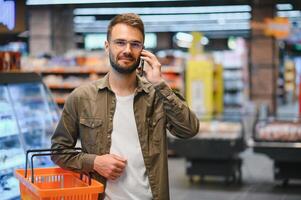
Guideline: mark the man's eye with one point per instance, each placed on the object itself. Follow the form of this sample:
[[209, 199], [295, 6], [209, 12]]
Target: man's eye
[[120, 43], [135, 45]]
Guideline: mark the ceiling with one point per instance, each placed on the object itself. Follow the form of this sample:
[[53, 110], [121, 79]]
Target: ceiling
[[213, 18]]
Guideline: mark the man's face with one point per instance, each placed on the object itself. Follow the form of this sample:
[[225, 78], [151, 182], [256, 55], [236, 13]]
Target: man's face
[[124, 48]]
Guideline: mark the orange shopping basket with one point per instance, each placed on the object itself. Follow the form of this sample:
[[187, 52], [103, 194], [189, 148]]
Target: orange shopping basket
[[55, 183]]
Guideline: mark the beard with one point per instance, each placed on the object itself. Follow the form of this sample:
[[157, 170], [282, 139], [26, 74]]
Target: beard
[[123, 70]]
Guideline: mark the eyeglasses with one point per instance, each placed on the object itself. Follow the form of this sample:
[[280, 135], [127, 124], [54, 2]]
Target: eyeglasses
[[133, 44]]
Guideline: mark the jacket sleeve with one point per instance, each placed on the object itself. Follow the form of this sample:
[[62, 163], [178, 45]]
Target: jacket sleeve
[[66, 135], [181, 121]]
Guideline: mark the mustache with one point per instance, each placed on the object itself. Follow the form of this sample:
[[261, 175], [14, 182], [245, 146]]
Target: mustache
[[126, 56]]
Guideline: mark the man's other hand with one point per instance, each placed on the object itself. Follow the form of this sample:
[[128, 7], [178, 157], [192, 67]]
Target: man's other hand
[[109, 166]]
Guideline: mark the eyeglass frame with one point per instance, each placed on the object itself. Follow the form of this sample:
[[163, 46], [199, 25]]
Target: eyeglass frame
[[125, 42]]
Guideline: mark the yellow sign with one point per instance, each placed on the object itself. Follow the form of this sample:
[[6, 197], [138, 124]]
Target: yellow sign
[[199, 87], [196, 46]]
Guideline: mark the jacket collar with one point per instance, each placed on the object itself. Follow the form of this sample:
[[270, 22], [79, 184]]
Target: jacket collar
[[142, 84]]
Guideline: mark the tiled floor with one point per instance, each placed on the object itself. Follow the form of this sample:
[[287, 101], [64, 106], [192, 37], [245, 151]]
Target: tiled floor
[[258, 183]]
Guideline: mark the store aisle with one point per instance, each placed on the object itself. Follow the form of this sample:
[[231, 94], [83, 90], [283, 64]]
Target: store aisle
[[258, 183]]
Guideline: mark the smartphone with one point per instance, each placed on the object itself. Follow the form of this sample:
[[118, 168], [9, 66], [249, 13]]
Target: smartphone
[[141, 67]]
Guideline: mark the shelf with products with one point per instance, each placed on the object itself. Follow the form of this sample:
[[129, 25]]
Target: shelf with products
[[173, 65], [60, 100], [279, 137], [235, 74], [70, 71], [28, 117], [233, 87], [61, 84], [62, 74]]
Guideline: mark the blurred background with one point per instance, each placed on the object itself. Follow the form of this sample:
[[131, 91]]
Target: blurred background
[[236, 62]]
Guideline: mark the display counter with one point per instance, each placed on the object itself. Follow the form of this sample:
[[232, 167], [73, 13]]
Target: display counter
[[28, 117], [214, 151], [280, 139]]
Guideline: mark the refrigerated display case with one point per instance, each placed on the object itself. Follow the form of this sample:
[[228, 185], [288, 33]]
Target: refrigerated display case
[[28, 117], [214, 151], [279, 137]]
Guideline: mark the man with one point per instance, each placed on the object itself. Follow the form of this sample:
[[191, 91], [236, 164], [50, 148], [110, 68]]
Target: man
[[121, 120]]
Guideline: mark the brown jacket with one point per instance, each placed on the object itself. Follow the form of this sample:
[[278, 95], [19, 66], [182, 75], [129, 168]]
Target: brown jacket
[[88, 116]]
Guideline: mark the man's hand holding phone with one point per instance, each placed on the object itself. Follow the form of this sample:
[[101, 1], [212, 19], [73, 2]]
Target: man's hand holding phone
[[152, 70]]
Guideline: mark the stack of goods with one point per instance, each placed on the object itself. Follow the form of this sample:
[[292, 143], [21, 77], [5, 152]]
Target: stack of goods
[[279, 131], [10, 61], [173, 63], [59, 81], [86, 62], [219, 130]]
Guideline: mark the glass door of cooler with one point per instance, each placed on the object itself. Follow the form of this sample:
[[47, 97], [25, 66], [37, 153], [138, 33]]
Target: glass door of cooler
[[11, 150], [33, 114]]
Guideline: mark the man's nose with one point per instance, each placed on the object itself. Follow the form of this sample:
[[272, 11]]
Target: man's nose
[[127, 47]]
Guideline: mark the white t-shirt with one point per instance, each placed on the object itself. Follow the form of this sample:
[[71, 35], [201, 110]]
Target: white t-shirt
[[133, 183]]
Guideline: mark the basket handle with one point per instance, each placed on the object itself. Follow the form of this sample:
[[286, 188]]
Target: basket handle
[[52, 152]]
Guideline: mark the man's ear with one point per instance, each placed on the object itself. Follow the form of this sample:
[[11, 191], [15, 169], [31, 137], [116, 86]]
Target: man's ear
[[107, 46]]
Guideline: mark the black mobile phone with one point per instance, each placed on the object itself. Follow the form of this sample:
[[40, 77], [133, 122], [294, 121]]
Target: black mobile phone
[[141, 67]]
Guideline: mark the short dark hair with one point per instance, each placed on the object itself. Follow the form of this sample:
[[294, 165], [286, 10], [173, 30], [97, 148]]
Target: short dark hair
[[130, 19]]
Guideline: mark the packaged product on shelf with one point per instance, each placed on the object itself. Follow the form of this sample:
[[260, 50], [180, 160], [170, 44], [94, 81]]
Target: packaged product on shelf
[[10, 61], [279, 131], [219, 130], [173, 64]]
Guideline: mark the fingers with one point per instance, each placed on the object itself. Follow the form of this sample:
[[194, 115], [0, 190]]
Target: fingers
[[115, 173], [118, 158], [147, 54], [150, 58], [110, 166], [117, 170], [120, 162], [114, 176]]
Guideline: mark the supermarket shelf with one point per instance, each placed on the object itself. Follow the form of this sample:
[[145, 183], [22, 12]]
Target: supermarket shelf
[[276, 144], [74, 70], [63, 86], [238, 67], [176, 70], [59, 100], [233, 90], [230, 79], [173, 70], [236, 105]]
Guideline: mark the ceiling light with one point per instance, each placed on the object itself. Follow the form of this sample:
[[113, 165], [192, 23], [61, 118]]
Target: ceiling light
[[204, 40], [184, 37], [221, 18], [171, 27], [84, 19], [196, 17], [292, 13], [56, 2], [286, 6], [163, 10]]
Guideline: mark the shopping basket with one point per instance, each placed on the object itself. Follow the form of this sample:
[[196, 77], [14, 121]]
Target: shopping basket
[[55, 183]]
